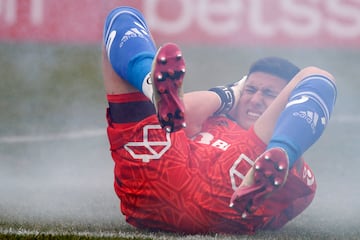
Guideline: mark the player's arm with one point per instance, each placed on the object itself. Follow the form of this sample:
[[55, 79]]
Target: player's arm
[[201, 105]]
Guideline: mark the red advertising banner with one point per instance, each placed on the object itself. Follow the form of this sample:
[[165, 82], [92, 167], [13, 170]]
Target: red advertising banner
[[321, 23]]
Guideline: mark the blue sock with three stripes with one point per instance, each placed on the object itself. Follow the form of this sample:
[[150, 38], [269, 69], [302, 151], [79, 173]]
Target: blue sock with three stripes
[[129, 46], [305, 116]]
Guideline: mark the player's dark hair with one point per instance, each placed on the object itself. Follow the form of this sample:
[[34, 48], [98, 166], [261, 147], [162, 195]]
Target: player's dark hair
[[275, 66]]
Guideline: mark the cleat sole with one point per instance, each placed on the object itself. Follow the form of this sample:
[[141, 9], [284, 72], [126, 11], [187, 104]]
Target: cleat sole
[[169, 69], [268, 178]]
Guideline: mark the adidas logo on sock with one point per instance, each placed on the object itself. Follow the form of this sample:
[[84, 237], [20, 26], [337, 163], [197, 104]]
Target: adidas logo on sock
[[311, 118], [133, 33]]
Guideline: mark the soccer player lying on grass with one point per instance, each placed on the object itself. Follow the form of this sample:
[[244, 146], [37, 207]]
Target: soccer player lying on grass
[[237, 166]]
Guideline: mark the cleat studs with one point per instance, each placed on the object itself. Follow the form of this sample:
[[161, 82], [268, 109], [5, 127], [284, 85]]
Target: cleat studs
[[159, 76], [171, 72], [183, 125], [163, 60], [252, 209], [244, 215], [257, 167], [267, 174], [178, 56], [168, 129], [280, 167], [183, 70], [267, 157], [277, 182], [161, 90]]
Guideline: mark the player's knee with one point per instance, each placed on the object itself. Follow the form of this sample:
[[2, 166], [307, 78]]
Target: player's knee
[[318, 87], [108, 22], [120, 16], [312, 70]]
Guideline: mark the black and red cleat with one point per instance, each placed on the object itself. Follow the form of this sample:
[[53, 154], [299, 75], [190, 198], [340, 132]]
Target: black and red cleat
[[168, 72], [268, 174]]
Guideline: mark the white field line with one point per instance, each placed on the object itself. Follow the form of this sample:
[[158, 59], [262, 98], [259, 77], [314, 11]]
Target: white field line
[[100, 132], [80, 134], [100, 234]]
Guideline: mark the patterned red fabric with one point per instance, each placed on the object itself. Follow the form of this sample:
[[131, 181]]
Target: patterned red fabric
[[172, 183]]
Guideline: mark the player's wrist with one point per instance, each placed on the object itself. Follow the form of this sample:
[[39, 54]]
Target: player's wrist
[[229, 96], [227, 99]]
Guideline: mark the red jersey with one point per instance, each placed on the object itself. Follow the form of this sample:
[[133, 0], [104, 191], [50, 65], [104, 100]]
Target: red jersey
[[172, 183]]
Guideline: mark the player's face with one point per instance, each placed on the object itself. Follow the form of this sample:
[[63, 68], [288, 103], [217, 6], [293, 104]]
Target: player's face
[[259, 92]]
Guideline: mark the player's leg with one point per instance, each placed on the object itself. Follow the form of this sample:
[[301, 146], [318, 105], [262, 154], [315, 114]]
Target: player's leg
[[298, 116], [167, 78], [128, 52], [129, 55], [292, 123]]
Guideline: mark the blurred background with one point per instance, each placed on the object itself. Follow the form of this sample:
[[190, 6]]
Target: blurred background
[[55, 166]]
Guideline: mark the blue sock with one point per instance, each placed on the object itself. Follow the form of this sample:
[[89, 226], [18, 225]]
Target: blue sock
[[129, 46], [139, 66], [305, 116]]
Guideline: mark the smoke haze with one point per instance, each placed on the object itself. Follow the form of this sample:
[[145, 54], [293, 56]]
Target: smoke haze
[[55, 164]]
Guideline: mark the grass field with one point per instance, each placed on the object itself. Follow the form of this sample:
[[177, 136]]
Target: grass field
[[56, 170]]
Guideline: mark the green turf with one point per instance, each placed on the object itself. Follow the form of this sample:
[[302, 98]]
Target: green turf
[[62, 237]]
